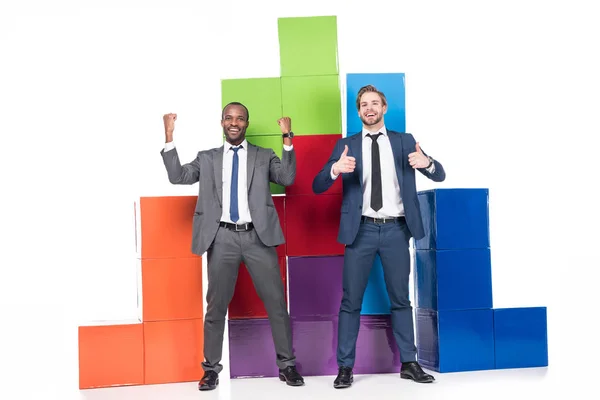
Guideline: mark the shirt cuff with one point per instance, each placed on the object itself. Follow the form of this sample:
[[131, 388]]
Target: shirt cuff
[[169, 146], [431, 169], [288, 148], [333, 176]]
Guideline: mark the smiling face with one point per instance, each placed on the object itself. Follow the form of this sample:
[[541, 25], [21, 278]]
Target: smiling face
[[234, 123], [371, 110]]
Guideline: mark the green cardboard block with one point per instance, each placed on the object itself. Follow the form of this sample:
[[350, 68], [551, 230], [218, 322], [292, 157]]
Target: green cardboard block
[[262, 97], [308, 46], [270, 142], [313, 103]]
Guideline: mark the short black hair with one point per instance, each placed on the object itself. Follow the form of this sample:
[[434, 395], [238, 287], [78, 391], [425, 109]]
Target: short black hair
[[235, 103]]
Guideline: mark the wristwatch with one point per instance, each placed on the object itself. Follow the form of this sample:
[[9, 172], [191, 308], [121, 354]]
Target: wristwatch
[[430, 162], [290, 134]]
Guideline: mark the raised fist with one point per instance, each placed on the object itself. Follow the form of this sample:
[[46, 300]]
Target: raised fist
[[285, 124], [169, 120]]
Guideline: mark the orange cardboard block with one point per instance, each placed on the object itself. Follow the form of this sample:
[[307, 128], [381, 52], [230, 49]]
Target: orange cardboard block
[[172, 289], [111, 355], [164, 226], [173, 351]]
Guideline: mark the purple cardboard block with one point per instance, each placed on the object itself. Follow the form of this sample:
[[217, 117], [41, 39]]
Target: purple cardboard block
[[315, 285], [315, 344], [251, 349], [376, 348]]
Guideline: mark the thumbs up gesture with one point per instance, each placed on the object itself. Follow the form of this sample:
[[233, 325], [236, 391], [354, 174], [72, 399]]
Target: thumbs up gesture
[[417, 159], [345, 164]]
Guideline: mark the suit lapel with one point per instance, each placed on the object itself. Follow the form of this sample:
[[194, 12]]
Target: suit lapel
[[397, 150], [218, 169], [252, 152], [356, 152]]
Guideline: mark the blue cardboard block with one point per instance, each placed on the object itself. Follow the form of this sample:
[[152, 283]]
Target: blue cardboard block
[[453, 279], [454, 219], [376, 300], [392, 85], [455, 341], [521, 338]]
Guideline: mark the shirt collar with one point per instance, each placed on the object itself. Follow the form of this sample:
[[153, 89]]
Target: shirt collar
[[227, 145], [365, 131]]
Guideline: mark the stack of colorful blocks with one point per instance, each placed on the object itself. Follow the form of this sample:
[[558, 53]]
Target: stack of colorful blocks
[[166, 344], [457, 327]]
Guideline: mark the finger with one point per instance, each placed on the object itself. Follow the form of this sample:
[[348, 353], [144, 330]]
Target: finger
[[418, 148], [345, 151], [350, 158]]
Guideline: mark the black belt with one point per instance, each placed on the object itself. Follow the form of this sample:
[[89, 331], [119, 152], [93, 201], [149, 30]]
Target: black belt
[[237, 228], [382, 220]]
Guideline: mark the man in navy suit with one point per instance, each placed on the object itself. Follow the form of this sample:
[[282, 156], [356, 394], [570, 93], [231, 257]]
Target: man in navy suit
[[380, 212]]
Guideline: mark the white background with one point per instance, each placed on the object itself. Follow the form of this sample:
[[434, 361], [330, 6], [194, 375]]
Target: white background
[[504, 94]]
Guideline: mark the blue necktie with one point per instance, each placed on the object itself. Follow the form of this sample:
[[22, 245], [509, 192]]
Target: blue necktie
[[233, 199]]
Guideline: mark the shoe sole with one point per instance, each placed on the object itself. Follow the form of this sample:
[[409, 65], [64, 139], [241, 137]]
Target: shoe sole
[[404, 376], [343, 385], [282, 379], [205, 388]]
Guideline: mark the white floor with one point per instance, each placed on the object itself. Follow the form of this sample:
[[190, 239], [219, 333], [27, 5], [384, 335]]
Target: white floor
[[510, 384]]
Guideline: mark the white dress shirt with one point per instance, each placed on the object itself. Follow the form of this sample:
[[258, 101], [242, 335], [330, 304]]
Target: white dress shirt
[[243, 208], [392, 198]]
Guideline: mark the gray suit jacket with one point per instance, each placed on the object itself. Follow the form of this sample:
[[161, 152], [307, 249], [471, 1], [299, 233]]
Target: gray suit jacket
[[263, 167]]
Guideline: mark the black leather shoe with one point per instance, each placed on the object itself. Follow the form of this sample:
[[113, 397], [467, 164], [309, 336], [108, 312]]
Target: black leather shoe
[[412, 370], [209, 381], [344, 379], [290, 376]]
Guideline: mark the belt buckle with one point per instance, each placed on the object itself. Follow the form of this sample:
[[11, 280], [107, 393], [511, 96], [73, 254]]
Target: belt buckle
[[240, 230]]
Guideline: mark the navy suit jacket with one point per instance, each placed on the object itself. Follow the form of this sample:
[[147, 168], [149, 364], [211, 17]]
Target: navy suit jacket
[[402, 145]]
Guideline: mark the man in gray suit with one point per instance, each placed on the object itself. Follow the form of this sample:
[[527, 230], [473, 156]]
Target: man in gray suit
[[235, 220]]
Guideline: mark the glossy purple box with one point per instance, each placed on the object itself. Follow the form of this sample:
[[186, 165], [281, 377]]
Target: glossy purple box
[[315, 285], [251, 349], [315, 343]]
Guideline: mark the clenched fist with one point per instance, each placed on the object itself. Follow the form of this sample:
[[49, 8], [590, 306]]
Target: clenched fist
[[169, 121], [285, 124], [345, 164]]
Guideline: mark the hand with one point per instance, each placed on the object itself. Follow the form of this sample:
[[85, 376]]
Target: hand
[[169, 121], [345, 164], [285, 124], [417, 159]]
